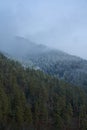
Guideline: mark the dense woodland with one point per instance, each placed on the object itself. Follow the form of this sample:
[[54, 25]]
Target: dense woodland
[[32, 100]]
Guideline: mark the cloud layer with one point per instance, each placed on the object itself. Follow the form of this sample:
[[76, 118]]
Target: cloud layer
[[60, 24]]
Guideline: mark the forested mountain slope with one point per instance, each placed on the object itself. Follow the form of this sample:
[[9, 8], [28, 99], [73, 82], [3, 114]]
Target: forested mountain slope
[[54, 62], [32, 100], [69, 68]]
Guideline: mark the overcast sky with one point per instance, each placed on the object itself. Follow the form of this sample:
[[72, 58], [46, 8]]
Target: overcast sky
[[60, 24]]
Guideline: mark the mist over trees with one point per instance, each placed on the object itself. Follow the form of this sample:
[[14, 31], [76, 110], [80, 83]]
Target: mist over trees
[[42, 88], [51, 61]]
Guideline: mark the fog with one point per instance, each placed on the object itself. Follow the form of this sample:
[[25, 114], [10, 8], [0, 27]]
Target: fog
[[60, 24]]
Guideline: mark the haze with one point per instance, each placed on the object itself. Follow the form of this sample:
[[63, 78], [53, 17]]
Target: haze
[[60, 24]]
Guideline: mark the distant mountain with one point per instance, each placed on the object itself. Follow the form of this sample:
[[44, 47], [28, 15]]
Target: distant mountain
[[19, 47], [54, 62]]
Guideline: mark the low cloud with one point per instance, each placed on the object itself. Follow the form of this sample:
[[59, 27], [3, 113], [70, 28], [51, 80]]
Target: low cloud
[[57, 23]]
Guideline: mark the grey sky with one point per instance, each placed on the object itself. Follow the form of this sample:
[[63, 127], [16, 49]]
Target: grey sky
[[60, 24]]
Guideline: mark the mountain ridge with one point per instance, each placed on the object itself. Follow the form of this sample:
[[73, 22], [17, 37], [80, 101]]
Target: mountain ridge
[[70, 68]]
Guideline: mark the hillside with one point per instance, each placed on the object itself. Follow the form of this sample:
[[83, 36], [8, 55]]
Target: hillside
[[32, 100], [69, 68], [54, 62]]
